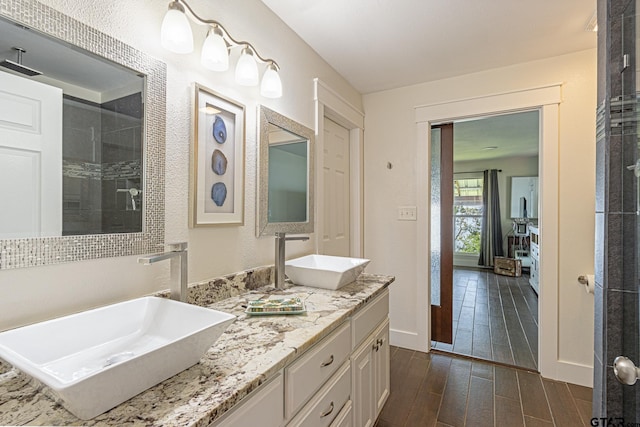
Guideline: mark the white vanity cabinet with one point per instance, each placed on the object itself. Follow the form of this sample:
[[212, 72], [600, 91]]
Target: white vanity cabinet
[[341, 381], [323, 408], [381, 367], [370, 376], [264, 407], [345, 417], [314, 368]]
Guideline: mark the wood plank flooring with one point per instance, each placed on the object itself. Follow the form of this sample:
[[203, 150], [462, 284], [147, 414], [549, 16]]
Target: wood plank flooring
[[429, 389], [494, 318]]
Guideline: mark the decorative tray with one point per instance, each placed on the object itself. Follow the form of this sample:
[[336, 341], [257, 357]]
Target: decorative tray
[[270, 307]]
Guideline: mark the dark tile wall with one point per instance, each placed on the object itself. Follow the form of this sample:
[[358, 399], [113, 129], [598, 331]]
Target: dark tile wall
[[102, 153], [122, 121], [81, 150], [616, 294]]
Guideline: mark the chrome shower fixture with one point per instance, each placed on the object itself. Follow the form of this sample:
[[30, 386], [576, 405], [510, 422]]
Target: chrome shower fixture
[[18, 66]]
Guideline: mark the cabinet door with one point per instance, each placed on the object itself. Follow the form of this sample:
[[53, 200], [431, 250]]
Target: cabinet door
[[381, 366], [363, 383], [263, 407]]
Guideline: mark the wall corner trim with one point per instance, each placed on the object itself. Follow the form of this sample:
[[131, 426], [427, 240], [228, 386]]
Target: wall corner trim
[[335, 102]]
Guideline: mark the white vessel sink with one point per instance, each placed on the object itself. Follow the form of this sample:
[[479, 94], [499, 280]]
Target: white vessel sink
[[324, 271], [99, 358]]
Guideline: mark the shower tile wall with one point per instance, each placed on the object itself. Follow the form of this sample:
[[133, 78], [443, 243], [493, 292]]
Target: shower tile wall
[[122, 162], [102, 154], [616, 293], [82, 154]]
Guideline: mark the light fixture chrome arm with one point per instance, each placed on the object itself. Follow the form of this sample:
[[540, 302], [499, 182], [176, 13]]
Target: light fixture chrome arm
[[229, 39]]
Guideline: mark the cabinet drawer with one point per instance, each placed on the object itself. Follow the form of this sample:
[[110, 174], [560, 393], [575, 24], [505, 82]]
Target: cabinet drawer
[[367, 319], [325, 407], [312, 369], [535, 251], [345, 417], [261, 407]]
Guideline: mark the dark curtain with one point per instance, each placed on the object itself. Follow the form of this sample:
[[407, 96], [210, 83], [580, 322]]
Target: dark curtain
[[491, 236]]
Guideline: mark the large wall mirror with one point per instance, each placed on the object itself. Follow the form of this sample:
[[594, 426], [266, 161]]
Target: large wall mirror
[[286, 174], [82, 128]]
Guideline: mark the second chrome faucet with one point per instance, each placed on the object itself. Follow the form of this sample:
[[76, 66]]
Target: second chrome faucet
[[281, 238]]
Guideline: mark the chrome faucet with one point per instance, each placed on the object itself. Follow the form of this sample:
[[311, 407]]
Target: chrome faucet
[[280, 243], [178, 255]]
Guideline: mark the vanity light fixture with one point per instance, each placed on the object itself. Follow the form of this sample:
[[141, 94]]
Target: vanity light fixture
[[176, 36], [247, 69]]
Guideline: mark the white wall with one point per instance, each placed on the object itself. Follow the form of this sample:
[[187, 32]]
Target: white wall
[[34, 294], [390, 136]]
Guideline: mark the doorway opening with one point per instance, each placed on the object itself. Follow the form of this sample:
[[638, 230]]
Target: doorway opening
[[481, 242]]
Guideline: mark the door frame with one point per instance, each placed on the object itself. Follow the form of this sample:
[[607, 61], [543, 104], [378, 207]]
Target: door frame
[[331, 105], [546, 100]]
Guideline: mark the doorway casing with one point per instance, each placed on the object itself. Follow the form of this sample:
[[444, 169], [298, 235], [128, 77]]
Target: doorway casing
[[546, 100]]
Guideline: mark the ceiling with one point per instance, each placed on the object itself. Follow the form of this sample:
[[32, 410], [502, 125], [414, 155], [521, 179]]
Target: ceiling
[[378, 45], [385, 44], [496, 137], [79, 68], [403, 41]]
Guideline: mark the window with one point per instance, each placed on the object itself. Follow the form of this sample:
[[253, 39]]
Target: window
[[467, 215]]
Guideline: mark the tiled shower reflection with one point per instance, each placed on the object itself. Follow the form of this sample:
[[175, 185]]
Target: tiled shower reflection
[[102, 166]]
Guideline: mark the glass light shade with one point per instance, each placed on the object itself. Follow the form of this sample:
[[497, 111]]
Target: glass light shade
[[247, 69], [215, 54], [175, 33], [271, 86]]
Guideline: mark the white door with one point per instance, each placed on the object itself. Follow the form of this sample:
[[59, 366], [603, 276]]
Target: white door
[[30, 158], [336, 231]]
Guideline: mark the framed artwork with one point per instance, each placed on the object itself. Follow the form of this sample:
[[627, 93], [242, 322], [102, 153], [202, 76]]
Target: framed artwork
[[217, 157]]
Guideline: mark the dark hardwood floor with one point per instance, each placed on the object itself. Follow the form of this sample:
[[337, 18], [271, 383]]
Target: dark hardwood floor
[[429, 389], [494, 318]]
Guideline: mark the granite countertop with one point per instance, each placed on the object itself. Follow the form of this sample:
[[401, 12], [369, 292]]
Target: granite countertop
[[250, 351]]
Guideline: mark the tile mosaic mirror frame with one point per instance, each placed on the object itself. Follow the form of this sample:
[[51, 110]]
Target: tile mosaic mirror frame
[[31, 252], [277, 130]]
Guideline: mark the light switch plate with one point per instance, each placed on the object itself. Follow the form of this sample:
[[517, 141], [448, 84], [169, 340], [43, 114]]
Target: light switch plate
[[407, 213]]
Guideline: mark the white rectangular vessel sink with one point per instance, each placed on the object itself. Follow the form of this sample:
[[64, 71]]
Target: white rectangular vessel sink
[[97, 359], [324, 271]]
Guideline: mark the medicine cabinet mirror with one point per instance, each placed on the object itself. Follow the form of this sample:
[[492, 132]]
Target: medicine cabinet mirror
[[286, 175], [82, 128]]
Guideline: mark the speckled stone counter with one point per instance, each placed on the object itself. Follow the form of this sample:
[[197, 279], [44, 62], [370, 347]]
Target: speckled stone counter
[[246, 355]]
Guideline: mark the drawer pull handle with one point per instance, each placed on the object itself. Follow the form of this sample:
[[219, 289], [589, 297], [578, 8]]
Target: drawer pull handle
[[328, 411], [328, 362]]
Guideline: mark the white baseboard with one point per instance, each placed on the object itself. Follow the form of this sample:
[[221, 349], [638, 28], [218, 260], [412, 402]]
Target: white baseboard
[[466, 261], [405, 339], [570, 372]]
